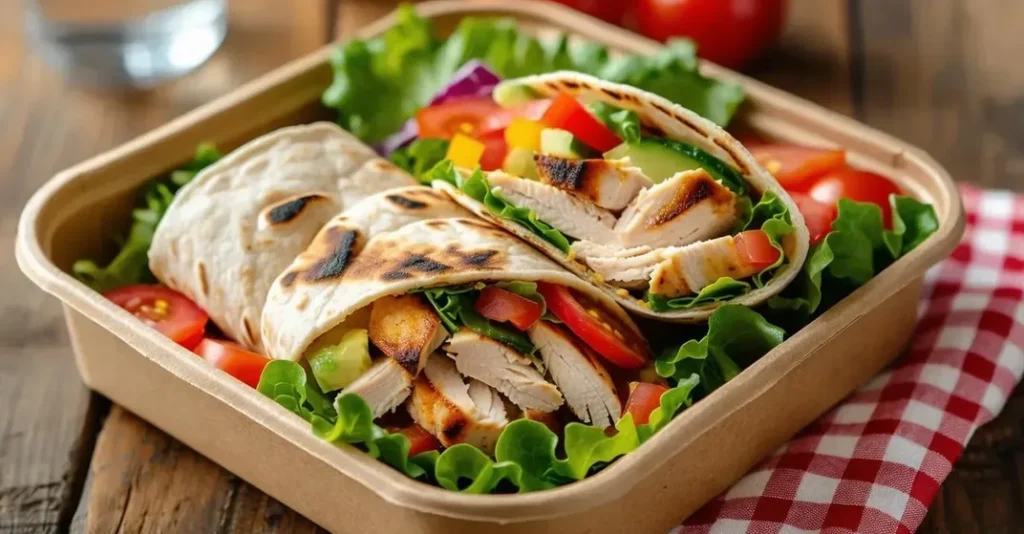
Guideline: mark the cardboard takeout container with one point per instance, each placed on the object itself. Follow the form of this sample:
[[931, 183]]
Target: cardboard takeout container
[[700, 454]]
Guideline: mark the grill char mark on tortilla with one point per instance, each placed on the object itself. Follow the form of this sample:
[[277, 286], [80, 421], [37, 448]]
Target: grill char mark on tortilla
[[290, 209], [479, 259], [614, 94], [334, 264], [406, 202]]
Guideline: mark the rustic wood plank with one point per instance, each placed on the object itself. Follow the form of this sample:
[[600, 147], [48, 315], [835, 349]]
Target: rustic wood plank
[[142, 480], [944, 74], [352, 15], [813, 56]]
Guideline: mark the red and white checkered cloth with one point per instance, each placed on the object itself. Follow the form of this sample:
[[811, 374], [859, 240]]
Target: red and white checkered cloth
[[874, 463]]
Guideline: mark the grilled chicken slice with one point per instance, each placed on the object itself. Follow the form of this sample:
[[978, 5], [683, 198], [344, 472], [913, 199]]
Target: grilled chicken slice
[[610, 184], [572, 216], [407, 329], [587, 388], [689, 269], [453, 411], [504, 369], [628, 268], [688, 207], [384, 386]]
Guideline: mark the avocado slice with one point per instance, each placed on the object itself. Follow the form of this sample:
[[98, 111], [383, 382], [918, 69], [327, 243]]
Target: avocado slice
[[519, 162], [562, 144], [508, 94], [661, 159], [336, 366]]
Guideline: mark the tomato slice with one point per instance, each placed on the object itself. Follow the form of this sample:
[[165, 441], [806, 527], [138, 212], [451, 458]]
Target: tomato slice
[[854, 184], [818, 216], [796, 167], [500, 119], [233, 359], [568, 114], [756, 249], [166, 310], [643, 399], [609, 336], [420, 440], [465, 115], [501, 305], [495, 150]]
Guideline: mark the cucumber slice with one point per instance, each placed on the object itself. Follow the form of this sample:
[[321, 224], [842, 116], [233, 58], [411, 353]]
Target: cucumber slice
[[520, 162], [661, 159], [562, 144], [336, 366], [508, 94]]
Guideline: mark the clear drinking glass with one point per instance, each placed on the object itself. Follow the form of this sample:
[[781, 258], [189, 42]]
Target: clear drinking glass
[[136, 43]]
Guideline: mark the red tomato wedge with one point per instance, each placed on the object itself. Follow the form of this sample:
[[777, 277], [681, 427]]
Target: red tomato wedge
[[854, 184], [166, 310], [756, 250], [568, 114], [500, 119], [495, 150], [796, 167], [643, 399], [818, 216], [420, 440], [501, 305], [233, 359], [466, 115], [598, 328]]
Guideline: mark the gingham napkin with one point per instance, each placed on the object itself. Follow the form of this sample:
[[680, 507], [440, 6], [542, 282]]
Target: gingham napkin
[[874, 463]]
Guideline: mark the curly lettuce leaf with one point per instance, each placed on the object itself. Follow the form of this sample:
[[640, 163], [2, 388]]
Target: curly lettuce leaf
[[672, 73], [857, 248], [131, 263], [737, 337], [379, 83], [349, 420], [420, 156], [672, 402], [723, 289], [625, 123]]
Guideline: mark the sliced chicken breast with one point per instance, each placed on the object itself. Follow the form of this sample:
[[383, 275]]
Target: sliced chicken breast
[[610, 184], [504, 369], [453, 411], [689, 269], [688, 207], [384, 386], [584, 382], [569, 214], [407, 329], [628, 268]]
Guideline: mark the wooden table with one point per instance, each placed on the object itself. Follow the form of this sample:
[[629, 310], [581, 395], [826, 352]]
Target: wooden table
[[944, 74]]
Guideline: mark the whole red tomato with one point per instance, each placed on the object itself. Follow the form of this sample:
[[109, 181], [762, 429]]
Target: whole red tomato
[[728, 32], [613, 11]]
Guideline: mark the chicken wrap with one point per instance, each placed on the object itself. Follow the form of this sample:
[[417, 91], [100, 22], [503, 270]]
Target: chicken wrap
[[661, 209], [231, 230], [457, 322]]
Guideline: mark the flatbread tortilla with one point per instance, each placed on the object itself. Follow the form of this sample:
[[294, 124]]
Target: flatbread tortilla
[[343, 271], [241, 221], [672, 121]]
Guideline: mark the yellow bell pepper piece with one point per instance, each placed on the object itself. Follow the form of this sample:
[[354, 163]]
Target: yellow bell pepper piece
[[524, 133], [464, 151]]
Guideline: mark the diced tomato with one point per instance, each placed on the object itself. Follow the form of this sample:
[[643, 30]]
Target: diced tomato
[[756, 250], [164, 309], [818, 216], [643, 399], [501, 119], [796, 167], [233, 359], [495, 150], [466, 115], [420, 440], [568, 114], [608, 335], [501, 305], [854, 184]]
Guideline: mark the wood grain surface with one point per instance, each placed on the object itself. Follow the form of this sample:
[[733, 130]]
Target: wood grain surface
[[943, 74]]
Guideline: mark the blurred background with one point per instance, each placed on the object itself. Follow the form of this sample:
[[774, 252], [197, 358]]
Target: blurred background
[[78, 77]]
